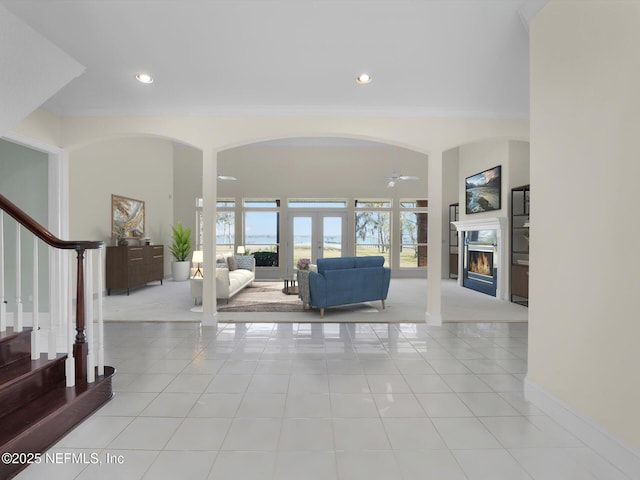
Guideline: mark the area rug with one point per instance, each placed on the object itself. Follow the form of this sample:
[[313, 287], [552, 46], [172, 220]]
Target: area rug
[[269, 297]]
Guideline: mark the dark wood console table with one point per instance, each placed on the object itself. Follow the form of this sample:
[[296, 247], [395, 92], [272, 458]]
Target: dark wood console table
[[129, 266]]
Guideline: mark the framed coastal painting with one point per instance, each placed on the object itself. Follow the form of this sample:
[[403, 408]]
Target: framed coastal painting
[[127, 217], [483, 191]]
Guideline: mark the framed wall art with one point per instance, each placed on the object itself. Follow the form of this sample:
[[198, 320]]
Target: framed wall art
[[483, 191], [127, 217]]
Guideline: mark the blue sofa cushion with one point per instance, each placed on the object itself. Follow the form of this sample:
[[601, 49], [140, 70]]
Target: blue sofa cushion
[[375, 261], [340, 263]]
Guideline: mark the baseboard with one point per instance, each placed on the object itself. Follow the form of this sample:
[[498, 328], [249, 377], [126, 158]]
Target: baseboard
[[433, 320], [623, 456]]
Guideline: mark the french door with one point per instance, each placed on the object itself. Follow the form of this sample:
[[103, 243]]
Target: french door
[[316, 235]]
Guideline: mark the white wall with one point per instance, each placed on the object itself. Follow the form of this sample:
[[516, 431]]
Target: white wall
[[322, 172], [187, 186], [32, 73], [583, 316], [450, 190], [140, 168]]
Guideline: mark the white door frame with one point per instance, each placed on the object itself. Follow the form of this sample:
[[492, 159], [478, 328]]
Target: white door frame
[[317, 233]]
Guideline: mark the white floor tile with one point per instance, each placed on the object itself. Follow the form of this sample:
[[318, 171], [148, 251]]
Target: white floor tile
[[460, 433], [443, 405], [360, 434], [412, 434], [96, 432], [306, 434], [199, 434], [310, 405], [388, 384], [427, 384], [490, 465], [171, 405], [262, 405], [369, 465], [434, 464], [487, 404], [348, 383], [346, 405], [306, 465], [253, 434], [398, 405], [146, 433], [186, 465], [232, 465], [133, 466], [216, 405]]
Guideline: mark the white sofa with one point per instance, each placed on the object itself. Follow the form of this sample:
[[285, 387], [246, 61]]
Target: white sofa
[[229, 281]]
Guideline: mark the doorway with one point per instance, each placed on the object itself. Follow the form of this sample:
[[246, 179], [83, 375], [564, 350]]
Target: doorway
[[315, 235]]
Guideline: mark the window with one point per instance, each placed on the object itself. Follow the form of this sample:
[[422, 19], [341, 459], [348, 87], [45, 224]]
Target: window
[[312, 203], [225, 225], [262, 231], [413, 233], [373, 228]]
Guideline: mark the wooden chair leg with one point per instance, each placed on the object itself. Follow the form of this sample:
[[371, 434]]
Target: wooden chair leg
[[322, 313], [383, 304]]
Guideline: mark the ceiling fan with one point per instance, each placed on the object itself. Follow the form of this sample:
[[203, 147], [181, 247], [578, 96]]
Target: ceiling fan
[[227, 178], [398, 177]]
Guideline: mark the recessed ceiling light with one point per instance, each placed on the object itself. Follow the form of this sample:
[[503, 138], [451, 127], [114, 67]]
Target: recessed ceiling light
[[144, 78], [363, 78]]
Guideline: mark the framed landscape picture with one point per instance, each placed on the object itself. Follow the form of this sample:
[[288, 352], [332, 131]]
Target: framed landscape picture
[[127, 217], [483, 191]]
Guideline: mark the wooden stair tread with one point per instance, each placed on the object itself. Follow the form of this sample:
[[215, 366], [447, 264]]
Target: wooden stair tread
[[30, 416], [19, 371]]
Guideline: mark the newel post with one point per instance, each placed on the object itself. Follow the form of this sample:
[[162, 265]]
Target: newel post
[[80, 347]]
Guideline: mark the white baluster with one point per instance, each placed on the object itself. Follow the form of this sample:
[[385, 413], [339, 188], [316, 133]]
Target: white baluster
[[17, 319], [88, 295], [3, 305], [56, 302], [35, 333], [71, 333], [100, 317]]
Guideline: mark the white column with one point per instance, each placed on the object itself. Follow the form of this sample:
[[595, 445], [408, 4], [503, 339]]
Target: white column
[[88, 315], [100, 315], [434, 239], [17, 319], [209, 211], [35, 333], [70, 366], [3, 305]]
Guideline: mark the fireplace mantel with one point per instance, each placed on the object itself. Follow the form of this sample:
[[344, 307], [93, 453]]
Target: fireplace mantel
[[490, 223], [499, 224]]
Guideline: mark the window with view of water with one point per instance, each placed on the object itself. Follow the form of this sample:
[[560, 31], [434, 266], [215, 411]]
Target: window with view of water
[[373, 230], [413, 233], [261, 237]]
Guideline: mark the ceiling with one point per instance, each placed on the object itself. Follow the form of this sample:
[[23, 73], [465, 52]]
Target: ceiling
[[426, 57]]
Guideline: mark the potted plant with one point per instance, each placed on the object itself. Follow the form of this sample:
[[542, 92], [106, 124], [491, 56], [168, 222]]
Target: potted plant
[[180, 249]]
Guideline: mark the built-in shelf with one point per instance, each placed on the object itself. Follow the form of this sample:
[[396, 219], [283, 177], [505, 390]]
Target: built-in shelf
[[454, 212], [519, 292]]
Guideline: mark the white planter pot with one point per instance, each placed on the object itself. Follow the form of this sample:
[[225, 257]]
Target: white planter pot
[[180, 271]]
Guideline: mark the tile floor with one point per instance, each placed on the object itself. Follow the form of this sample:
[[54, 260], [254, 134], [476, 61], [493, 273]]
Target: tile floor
[[320, 401]]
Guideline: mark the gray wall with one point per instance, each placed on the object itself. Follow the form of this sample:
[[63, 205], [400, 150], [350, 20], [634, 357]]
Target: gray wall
[[24, 175]]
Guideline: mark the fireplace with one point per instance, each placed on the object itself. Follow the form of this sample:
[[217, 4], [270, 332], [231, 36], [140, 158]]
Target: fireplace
[[479, 262], [483, 255]]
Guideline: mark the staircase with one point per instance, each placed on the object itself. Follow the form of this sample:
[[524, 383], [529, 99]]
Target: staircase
[[37, 409], [45, 396]]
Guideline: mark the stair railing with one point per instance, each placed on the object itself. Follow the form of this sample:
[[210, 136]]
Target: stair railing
[[80, 361]]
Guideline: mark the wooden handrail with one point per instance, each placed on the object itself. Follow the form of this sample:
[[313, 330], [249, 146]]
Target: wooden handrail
[[80, 347], [42, 233]]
